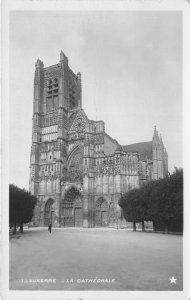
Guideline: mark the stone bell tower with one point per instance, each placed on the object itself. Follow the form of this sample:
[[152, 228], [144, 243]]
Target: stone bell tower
[[57, 92]]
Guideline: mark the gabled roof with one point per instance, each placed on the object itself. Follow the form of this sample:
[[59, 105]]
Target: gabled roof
[[113, 140], [144, 149]]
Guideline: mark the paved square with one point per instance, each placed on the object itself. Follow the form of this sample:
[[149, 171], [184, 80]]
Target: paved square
[[95, 259]]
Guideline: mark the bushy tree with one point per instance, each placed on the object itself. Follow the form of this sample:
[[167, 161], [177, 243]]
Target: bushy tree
[[21, 206], [159, 201], [166, 202], [134, 207]]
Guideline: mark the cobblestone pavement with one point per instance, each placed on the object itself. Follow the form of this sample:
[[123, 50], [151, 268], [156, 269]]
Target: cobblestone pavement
[[95, 259]]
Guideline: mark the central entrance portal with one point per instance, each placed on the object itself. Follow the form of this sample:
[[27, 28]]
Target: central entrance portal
[[72, 215]]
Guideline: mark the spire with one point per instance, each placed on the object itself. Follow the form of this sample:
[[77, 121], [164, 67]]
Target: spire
[[155, 131], [155, 135]]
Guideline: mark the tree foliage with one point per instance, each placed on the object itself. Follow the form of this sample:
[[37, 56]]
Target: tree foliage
[[21, 206], [160, 201]]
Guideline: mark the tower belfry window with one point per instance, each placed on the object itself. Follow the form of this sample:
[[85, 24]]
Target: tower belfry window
[[73, 103], [52, 95]]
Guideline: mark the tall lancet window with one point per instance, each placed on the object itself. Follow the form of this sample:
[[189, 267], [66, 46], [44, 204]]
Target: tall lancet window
[[52, 95]]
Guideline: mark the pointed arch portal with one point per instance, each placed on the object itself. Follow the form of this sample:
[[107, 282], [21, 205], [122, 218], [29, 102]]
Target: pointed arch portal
[[71, 211], [49, 212]]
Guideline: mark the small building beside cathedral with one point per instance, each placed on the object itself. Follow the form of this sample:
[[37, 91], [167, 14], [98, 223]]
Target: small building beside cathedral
[[77, 171]]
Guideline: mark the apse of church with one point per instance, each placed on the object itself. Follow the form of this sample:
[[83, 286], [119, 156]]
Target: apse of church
[[77, 171]]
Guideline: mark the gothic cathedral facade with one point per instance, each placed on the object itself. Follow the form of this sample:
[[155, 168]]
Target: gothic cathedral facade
[[77, 171]]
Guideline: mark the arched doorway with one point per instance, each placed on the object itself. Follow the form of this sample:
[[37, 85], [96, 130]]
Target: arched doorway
[[48, 212], [101, 213], [71, 212]]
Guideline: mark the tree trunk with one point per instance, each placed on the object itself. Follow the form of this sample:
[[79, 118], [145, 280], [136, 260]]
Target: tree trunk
[[134, 226], [21, 227], [154, 228], [143, 229], [14, 230], [166, 228]]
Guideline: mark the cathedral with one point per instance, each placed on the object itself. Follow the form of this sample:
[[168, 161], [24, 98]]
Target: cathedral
[[77, 171]]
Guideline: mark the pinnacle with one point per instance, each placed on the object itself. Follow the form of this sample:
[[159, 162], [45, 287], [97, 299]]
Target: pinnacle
[[155, 132], [63, 57]]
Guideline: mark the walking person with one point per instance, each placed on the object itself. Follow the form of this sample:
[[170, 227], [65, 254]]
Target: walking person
[[49, 227]]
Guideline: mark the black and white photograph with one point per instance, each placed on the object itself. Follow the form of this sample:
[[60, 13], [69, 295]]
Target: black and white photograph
[[95, 158]]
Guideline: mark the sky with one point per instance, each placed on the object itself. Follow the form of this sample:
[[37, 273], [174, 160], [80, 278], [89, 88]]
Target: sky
[[131, 66]]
